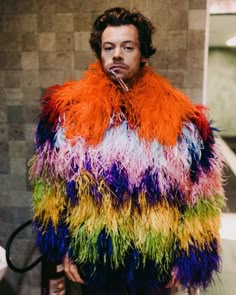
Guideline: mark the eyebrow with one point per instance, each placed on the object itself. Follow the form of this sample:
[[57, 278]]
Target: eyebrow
[[123, 42]]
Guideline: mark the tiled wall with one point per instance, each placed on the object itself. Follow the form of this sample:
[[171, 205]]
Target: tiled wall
[[43, 42]]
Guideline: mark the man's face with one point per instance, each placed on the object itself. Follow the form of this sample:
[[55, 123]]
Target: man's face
[[121, 53]]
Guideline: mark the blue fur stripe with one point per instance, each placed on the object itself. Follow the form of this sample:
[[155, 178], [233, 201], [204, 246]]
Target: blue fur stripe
[[207, 153], [52, 243], [131, 264], [104, 244], [150, 185], [132, 275], [72, 192], [194, 168], [45, 132], [175, 196], [204, 161], [196, 269], [117, 179]]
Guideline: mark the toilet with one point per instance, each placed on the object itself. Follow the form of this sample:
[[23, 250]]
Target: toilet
[[3, 263]]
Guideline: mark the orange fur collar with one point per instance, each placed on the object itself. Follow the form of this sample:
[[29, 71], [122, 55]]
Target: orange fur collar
[[152, 106]]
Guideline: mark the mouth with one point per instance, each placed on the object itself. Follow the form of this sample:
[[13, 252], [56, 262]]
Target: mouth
[[117, 68], [119, 80]]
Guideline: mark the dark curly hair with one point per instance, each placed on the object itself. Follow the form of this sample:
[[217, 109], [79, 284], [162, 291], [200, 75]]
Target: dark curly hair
[[118, 16]]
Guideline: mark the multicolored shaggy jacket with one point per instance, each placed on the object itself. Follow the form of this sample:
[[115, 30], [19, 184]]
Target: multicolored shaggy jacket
[[129, 183]]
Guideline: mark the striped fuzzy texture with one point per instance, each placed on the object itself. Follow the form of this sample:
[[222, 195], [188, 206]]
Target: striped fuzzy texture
[[133, 192]]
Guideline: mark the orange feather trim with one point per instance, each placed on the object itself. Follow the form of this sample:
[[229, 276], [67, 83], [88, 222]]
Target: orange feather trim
[[152, 106]]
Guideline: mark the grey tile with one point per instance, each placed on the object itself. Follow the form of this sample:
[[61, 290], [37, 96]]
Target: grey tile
[[65, 61], [2, 59], [64, 41], [197, 4], [46, 6], [178, 20], [62, 6], [46, 22], [4, 183], [31, 113], [4, 164], [196, 39], [10, 41], [12, 79], [11, 22], [64, 22], [30, 60], [13, 60], [16, 132], [31, 96], [29, 41], [177, 59], [13, 6], [30, 78], [21, 198], [17, 149], [15, 215], [3, 115], [82, 58], [15, 114], [3, 132], [82, 21], [28, 22], [179, 4], [18, 166]]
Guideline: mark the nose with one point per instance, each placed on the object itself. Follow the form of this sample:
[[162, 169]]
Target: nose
[[118, 55]]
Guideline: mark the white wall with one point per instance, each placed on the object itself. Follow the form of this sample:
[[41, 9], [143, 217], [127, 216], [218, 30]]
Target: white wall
[[221, 89]]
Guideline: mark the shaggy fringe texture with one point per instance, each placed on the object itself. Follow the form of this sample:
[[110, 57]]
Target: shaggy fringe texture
[[133, 193]]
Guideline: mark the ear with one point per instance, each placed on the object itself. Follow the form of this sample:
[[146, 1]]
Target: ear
[[144, 59]]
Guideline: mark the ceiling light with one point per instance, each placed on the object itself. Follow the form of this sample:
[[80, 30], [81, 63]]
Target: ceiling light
[[231, 41]]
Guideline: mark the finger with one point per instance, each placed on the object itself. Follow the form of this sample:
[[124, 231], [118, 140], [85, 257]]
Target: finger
[[171, 283], [71, 271], [174, 273], [75, 274], [66, 265], [174, 282]]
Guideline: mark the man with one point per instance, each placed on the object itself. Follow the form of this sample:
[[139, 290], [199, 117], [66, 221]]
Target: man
[[127, 175]]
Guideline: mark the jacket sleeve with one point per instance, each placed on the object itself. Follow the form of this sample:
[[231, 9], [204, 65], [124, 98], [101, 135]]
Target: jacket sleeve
[[198, 253], [49, 200]]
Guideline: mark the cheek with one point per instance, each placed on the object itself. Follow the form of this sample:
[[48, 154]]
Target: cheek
[[106, 60], [103, 60], [136, 64]]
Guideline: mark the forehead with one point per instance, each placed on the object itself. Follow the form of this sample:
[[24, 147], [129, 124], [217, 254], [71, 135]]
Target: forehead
[[117, 34]]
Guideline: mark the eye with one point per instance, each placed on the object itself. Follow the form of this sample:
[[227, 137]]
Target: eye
[[108, 48], [128, 48]]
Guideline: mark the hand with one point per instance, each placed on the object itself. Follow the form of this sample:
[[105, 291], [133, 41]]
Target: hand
[[71, 271], [173, 282]]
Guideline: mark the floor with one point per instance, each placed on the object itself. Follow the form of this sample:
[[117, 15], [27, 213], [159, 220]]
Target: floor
[[225, 282]]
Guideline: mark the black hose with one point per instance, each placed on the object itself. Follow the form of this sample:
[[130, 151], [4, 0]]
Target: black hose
[[8, 248]]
